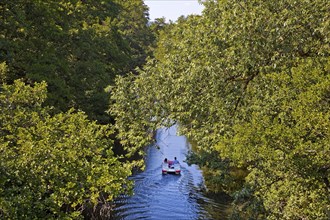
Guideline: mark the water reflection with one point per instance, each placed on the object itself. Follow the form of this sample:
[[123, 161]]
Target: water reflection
[[158, 196]]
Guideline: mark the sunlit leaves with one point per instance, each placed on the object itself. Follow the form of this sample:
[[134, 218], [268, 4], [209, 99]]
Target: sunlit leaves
[[286, 141], [249, 80], [53, 166]]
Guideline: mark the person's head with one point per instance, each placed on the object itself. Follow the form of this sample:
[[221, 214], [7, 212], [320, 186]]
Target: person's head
[[174, 158], [165, 160]]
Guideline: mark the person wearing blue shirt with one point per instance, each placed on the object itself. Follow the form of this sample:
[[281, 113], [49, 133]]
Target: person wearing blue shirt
[[175, 161]]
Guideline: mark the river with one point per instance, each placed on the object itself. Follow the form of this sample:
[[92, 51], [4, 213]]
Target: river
[[179, 197]]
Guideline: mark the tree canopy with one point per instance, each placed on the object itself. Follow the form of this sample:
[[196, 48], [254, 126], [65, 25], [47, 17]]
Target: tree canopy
[[78, 47], [56, 146], [53, 166], [249, 81]]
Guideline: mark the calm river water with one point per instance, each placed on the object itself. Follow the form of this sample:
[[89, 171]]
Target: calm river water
[[179, 197]]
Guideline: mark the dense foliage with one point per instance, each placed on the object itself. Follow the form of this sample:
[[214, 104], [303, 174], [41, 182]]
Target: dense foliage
[[249, 81], [57, 162], [78, 47], [53, 166]]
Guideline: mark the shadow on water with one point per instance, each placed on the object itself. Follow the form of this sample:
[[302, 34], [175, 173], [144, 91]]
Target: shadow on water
[[158, 196]]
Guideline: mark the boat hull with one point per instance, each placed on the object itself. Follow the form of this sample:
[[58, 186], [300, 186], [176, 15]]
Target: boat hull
[[171, 169]]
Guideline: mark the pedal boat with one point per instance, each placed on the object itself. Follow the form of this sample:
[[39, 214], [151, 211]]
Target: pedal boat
[[169, 167]]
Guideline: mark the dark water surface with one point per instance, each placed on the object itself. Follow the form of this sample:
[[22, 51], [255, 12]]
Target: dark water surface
[[170, 196]]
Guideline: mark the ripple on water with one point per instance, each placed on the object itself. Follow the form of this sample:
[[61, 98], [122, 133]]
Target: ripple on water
[[158, 196]]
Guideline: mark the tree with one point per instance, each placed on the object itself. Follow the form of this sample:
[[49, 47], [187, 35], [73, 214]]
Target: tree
[[77, 47], [132, 23], [53, 166], [210, 75], [285, 142]]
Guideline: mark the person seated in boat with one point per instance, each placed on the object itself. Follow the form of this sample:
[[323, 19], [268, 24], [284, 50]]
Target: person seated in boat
[[175, 161], [168, 162]]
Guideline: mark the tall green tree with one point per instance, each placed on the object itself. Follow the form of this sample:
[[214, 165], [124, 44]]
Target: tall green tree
[[54, 166], [285, 142], [78, 47], [212, 75], [133, 25]]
